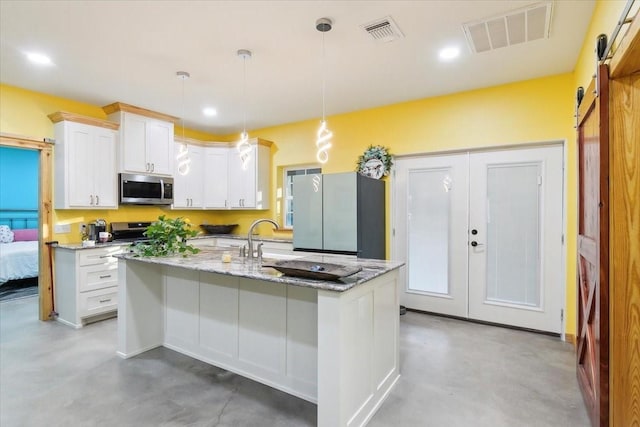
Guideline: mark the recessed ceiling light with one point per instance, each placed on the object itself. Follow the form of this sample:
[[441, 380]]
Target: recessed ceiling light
[[209, 112], [449, 53], [39, 58]]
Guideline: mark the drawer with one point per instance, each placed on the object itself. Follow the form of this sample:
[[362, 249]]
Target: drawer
[[98, 302], [98, 277], [98, 256]]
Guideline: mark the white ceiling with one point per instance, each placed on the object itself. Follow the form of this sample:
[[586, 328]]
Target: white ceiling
[[129, 51]]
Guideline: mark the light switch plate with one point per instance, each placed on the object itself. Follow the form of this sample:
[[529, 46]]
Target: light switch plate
[[62, 228]]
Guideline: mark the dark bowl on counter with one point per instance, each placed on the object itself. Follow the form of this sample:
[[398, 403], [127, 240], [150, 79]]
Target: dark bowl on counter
[[218, 229]]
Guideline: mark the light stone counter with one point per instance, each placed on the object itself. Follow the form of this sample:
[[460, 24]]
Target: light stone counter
[[210, 260], [78, 246]]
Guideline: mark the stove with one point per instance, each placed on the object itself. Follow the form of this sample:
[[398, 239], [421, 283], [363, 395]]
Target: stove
[[127, 232]]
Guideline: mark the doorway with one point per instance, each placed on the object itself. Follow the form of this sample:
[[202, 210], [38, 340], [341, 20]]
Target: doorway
[[481, 235], [45, 215]]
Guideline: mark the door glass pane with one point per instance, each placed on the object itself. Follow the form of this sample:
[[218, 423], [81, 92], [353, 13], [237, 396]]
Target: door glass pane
[[513, 242], [428, 230]]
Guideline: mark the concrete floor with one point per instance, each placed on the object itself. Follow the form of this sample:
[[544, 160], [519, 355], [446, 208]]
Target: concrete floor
[[454, 373]]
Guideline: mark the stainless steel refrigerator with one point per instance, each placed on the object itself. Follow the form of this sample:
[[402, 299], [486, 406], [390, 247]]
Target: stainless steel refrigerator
[[339, 213]]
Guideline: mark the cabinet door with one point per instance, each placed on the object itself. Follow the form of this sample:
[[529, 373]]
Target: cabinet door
[[339, 212], [187, 189], [307, 213], [196, 176], [80, 163], [159, 147], [133, 143], [181, 194], [215, 177], [104, 169], [242, 180]]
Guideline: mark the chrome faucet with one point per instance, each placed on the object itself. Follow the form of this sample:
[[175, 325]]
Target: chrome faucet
[[250, 236]]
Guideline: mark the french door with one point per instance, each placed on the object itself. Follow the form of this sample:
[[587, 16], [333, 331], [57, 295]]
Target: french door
[[481, 235]]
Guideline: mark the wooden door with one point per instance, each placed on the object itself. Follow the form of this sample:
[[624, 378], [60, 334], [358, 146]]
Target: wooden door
[[593, 250]]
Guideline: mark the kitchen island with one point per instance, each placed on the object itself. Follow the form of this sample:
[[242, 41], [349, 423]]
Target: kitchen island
[[331, 343]]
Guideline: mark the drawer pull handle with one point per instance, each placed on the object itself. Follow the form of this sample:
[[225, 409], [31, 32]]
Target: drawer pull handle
[[104, 277], [104, 300], [105, 256]]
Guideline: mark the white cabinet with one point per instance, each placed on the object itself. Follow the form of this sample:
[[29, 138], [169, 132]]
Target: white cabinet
[[188, 188], [86, 284], [216, 179], [84, 163], [249, 186], [146, 139]]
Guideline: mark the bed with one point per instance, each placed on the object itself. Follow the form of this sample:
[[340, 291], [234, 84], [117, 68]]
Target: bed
[[18, 245]]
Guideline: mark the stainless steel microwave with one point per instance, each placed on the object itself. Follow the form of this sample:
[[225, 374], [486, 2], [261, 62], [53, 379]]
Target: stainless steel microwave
[[145, 190]]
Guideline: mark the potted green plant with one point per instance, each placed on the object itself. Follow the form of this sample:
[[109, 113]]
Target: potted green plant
[[167, 237]]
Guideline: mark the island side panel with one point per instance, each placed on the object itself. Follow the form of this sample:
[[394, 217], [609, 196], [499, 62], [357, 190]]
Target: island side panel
[[358, 350], [302, 339], [182, 296], [262, 330], [140, 307]]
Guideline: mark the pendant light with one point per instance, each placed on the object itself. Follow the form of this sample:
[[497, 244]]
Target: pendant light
[[243, 146], [324, 135], [184, 161]]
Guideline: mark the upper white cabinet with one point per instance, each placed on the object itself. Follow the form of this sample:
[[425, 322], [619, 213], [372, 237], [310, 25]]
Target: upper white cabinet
[[249, 186], [216, 178], [221, 182], [188, 188], [146, 139], [84, 162]]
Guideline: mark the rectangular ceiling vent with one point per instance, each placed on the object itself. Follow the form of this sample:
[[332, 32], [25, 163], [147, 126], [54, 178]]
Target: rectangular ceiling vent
[[514, 27], [383, 30]]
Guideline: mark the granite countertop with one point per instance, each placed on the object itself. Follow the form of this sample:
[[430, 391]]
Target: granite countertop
[[78, 246], [256, 237], [210, 260]]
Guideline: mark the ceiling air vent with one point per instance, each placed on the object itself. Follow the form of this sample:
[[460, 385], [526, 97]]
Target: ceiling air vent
[[383, 30], [518, 26]]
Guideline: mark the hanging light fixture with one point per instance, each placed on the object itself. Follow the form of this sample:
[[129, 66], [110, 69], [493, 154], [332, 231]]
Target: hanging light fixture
[[324, 135], [184, 161], [243, 147]]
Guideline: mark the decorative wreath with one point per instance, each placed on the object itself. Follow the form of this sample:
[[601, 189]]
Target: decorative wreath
[[375, 162]]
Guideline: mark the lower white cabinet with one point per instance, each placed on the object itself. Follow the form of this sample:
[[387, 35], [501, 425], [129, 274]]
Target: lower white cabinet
[[86, 284]]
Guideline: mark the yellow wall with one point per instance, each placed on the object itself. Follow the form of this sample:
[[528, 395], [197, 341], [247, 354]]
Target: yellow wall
[[524, 112]]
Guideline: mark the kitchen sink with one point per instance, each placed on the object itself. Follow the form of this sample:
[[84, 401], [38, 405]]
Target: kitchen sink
[[312, 269]]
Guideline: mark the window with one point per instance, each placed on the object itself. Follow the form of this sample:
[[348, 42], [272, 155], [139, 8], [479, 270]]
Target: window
[[289, 173]]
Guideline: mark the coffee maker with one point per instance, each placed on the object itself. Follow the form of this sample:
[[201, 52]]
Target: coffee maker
[[95, 228]]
